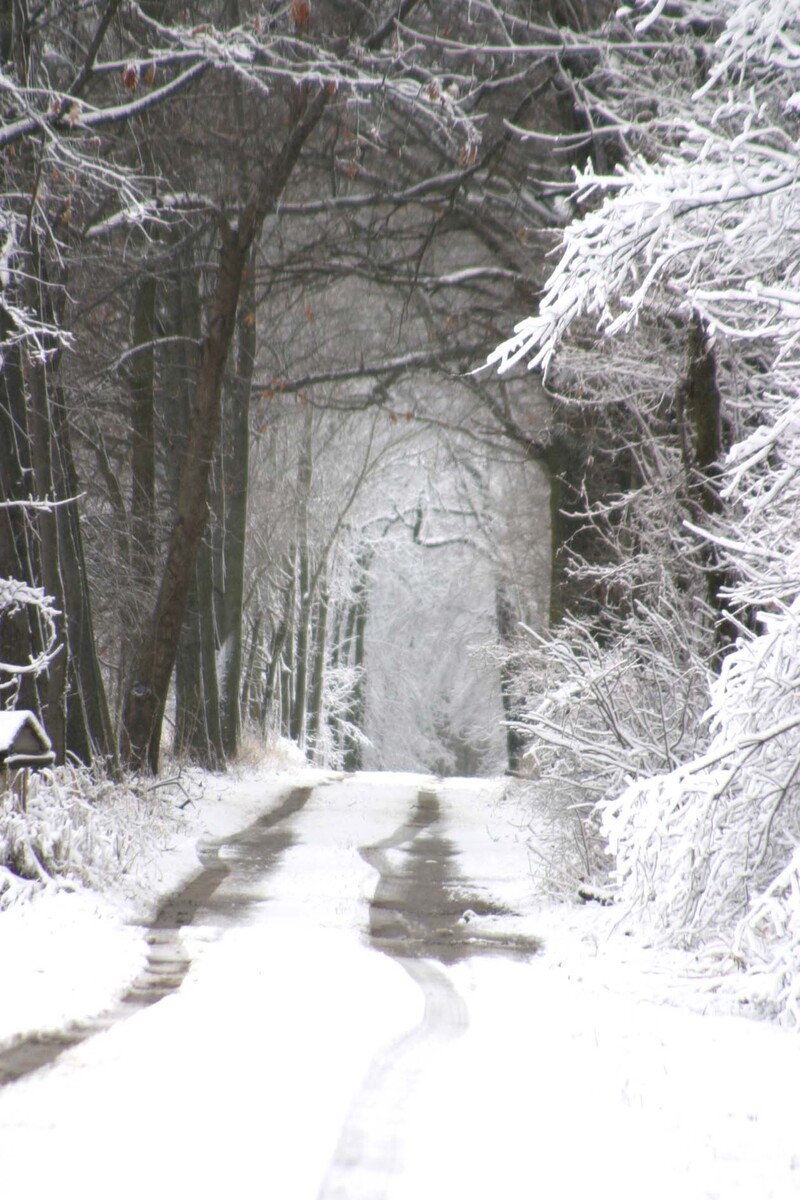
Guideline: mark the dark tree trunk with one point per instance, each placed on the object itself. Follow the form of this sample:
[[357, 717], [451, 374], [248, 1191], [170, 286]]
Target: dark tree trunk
[[316, 695], [89, 726], [54, 686], [198, 730], [249, 707], [302, 651], [555, 461], [272, 681], [18, 634], [286, 669], [357, 626], [47, 548], [699, 408], [302, 647], [235, 469], [143, 446], [507, 632]]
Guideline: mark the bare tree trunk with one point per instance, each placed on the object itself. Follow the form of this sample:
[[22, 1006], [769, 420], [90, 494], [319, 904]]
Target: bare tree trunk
[[699, 407], [235, 468], [143, 448], [305, 470], [506, 629], [286, 669], [297, 729], [317, 691], [353, 751], [89, 726], [272, 682], [18, 641], [249, 708], [54, 706], [198, 730]]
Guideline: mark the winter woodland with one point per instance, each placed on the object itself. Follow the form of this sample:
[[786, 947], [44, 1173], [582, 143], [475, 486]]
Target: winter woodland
[[274, 464]]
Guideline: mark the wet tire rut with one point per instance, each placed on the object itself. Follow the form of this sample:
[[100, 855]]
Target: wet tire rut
[[420, 915], [233, 867]]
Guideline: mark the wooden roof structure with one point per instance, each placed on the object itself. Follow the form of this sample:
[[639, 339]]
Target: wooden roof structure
[[23, 741]]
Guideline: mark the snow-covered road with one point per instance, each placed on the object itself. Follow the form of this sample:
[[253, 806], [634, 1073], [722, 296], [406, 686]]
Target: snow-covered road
[[339, 1031]]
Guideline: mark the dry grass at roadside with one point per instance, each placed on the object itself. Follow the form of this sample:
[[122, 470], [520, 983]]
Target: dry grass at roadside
[[83, 829]]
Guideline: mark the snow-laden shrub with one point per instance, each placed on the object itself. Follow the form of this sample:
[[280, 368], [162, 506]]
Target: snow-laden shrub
[[338, 733], [706, 846], [271, 752], [603, 709], [564, 852], [767, 945], [741, 797], [79, 829]]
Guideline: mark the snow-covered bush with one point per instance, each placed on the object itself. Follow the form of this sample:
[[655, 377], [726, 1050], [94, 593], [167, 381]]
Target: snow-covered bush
[[601, 712], [767, 944], [80, 828], [705, 845]]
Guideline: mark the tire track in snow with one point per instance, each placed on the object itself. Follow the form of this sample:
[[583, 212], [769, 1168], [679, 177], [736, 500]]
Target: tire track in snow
[[257, 850], [417, 916]]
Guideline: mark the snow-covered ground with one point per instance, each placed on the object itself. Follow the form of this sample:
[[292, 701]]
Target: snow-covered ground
[[600, 1068]]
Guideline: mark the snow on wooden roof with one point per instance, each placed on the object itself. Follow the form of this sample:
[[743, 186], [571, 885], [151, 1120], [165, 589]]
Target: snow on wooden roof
[[21, 733]]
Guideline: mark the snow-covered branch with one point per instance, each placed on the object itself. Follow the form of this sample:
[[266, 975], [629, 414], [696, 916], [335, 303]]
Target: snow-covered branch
[[679, 225], [14, 596]]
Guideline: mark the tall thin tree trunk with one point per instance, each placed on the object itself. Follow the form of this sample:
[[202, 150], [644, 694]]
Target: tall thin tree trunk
[[699, 407], [506, 630], [317, 691], [18, 636], [55, 687], [272, 681], [249, 708], [305, 470], [353, 750], [235, 467], [143, 446], [302, 651], [198, 730], [89, 725]]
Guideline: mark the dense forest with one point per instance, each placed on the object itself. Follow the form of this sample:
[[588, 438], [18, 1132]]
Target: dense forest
[[418, 380]]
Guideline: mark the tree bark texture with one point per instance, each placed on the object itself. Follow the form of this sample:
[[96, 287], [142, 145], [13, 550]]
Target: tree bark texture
[[357, 631], [320, 656], [507, 630], [18, 635], [280, 638], [235, 479], [89, 726], [699, 407], [198, 729], [143, 447]]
